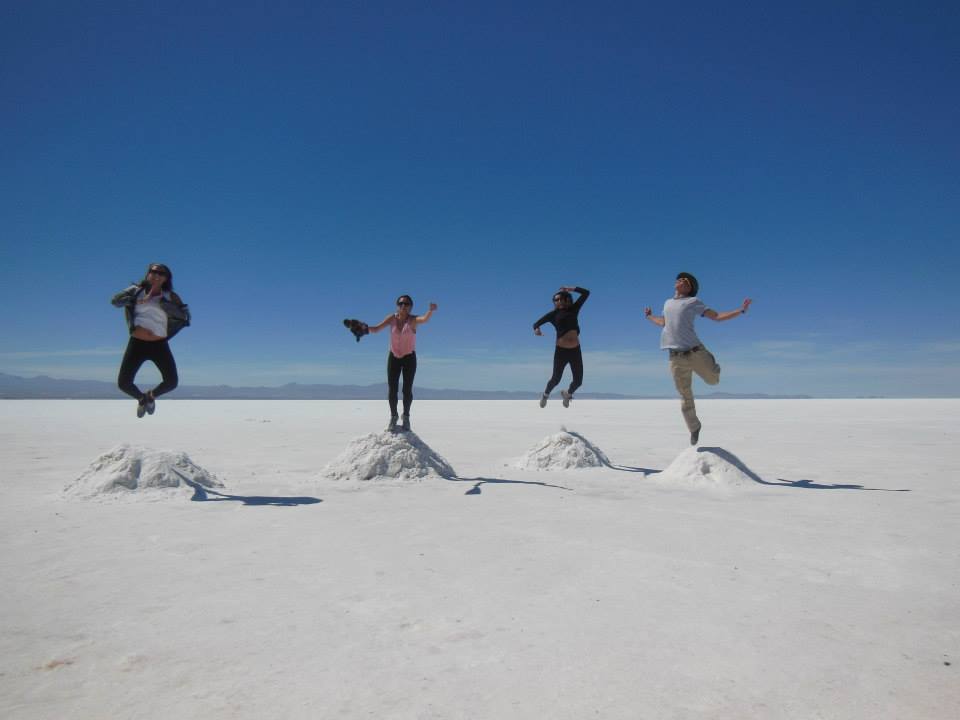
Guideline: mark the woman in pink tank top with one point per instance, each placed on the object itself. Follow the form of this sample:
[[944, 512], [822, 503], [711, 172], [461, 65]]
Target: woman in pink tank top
[[402, 358]]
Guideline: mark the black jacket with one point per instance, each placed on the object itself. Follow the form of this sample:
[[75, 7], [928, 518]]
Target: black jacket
[[566, 319], [178, 314]]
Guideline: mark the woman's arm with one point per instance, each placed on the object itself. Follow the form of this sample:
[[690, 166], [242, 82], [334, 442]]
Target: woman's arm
[[545, 319], [426, 316], [655, 319], [720, 317], [125, 297], [178, 314], [584, 294], [381, 326]]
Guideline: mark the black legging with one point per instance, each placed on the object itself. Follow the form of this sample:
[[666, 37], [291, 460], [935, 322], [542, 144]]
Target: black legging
[[138, 352], [561, 358], [395, 366]]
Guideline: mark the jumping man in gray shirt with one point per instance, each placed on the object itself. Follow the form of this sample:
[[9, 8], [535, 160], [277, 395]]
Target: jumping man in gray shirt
[[687, 353]]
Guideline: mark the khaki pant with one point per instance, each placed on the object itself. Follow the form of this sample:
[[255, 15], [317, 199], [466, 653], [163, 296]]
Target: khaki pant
[[682, 368]]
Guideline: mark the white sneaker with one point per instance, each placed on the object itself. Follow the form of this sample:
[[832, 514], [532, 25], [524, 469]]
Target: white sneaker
[[543, 400], [567, 397]]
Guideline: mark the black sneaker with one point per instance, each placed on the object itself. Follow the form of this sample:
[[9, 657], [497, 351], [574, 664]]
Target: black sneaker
[[695, 437], [151, 404], [543, 400], [405, 425], [567, 397], [392, 425], [142, 407]]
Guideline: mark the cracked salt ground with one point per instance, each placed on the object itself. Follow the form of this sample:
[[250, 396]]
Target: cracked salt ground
[[811, 594]]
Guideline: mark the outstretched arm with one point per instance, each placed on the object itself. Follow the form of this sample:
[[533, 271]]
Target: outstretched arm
[[655, 319], [377, 328], [426, 316], [720, 317]]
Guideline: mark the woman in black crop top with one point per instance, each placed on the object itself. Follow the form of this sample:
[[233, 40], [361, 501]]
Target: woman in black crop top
[[564, 318]]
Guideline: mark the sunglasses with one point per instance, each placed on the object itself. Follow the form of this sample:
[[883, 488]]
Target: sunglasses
[[157, 271], [404, 302]]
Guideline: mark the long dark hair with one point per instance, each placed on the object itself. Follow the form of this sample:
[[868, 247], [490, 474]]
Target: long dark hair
[[167, 284]]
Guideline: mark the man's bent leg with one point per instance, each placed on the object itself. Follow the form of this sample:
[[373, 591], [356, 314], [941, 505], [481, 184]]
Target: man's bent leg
[[705, 365]]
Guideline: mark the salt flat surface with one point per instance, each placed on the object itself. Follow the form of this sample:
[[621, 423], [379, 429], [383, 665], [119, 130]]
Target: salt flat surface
[[802, 563]]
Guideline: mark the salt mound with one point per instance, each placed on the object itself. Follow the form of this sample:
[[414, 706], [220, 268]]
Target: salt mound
[[129, 471], [563, 451], [708, 466], [387, 455]]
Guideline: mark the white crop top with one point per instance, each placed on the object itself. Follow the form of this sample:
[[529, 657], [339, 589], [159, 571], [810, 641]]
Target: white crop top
[[148, 314]]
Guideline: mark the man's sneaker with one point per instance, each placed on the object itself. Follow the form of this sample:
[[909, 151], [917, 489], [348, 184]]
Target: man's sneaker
[[695, 436], [392, 425], [142, 407], [405, 425], [151, 404], [567, 397], [543, 400]]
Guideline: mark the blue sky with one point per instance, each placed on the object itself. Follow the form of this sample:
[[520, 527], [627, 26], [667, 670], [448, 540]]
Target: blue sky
[[298, 163]]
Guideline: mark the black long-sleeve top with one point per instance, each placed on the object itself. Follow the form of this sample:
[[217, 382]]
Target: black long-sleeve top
[[565, 320]]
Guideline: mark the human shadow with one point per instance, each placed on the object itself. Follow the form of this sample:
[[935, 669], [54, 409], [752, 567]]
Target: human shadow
[[202, 494], [606, 462], [804, 484], [480, 481], [811, 485]]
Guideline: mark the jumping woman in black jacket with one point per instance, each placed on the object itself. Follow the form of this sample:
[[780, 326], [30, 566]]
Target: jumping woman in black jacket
[[564, 318], [155, 313]]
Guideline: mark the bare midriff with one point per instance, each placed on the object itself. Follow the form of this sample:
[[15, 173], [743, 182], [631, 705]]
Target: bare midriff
[[570, 339], [143, 334]]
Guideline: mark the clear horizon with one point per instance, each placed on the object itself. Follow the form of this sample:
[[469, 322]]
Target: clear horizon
[[302, 164]]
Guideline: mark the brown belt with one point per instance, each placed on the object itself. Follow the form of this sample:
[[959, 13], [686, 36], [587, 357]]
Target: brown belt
[[675, 353]]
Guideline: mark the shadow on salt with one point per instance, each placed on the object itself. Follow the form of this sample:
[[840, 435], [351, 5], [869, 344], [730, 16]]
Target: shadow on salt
[[719, 468], [202, 494], [133, 473]]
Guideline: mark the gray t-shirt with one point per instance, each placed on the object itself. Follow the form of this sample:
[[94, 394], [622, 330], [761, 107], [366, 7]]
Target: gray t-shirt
[[679, 314]]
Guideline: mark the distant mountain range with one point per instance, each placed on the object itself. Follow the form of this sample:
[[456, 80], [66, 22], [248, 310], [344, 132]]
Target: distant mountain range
[[42, 387]]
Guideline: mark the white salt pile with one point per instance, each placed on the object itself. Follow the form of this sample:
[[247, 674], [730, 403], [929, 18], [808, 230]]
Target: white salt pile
[[386, 455], [130, 471], [707, 467], [563, 451]]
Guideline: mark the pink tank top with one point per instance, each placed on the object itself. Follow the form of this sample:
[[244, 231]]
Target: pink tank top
[[403, 340]]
